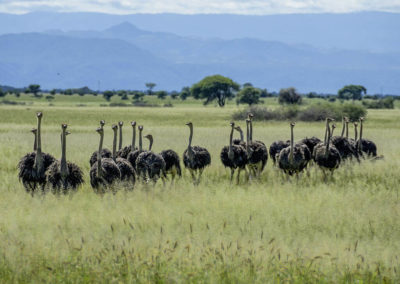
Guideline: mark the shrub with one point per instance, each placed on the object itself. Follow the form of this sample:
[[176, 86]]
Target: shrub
[[143, 104], [289, 96], [168, 105], [386, 103]]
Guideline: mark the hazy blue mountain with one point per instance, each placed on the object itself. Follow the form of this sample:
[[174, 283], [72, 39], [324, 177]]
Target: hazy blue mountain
[[374, 31]]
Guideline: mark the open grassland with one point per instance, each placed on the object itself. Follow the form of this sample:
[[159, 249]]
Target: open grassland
[[272, 230]]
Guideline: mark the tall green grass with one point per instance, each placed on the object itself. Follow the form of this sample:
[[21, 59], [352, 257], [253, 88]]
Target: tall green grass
[[274, 230]]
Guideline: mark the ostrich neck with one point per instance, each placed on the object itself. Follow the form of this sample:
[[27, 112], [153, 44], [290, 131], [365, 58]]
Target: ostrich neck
[[35, 143], [120, 138], [230, 152], [355, 133], [190, 150], [99, 169], [114, 150], [133, 139], [39, 158], [343, 128], [241, 135], [140, 140], [151, 143], [247, 140], [347, 130], [360, 140], [326, 131], [63, 166], [251, 131], [328, 141], [291, 145]]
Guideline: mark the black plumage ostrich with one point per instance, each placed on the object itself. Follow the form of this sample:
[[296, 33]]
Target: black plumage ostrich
[[325, 155], [294, 158], [126, 169], [172, 163], [124, 152], [310, 142], [32, 167], [150, 165], [275, 148], [132, 156], [366, 146], [195, 158], [63, 176], [342, 144], [257, 153], [105, 171], [105, 153], [234, 156]]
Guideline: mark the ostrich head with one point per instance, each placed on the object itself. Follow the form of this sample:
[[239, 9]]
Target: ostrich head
[[190, 124], [39, 114], [64, 126], [149, 136], [34, 131], [114, 127], [100, 130], [237, 128], [133, 123], [140, 127], [232, 124], [120, 123], [292, 124], [102, 123], [250, 116]]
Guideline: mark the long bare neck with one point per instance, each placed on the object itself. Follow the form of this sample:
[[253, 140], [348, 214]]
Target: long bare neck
[[133, 138], [361, 133], [140, 140], [247, 139], [114, 150], [230, 142], [241, 135], [99, 169], [343, 128], [35, 142], [291, 144], [190, 137], [355, 133], [251, 130], [326, 131], [150, 143], [347, 130], [328, 141], [120, 138], [63, 166], [38, 157]]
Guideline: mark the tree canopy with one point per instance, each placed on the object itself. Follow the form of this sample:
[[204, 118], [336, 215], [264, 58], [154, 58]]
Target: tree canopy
[[352, 92], [216, 87], [34, 89], [289, 96], [249, 95]]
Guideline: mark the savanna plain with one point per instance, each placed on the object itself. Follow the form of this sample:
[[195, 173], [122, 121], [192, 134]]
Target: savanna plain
[[305, 230]]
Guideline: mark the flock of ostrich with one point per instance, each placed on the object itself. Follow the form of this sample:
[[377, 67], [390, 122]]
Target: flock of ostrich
[[127, 165]]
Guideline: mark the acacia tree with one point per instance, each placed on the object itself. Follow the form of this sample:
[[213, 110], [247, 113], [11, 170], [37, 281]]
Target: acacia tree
[[216, 87], [34, 89], [289, 96], [150, 86], [353, 92], [249, 95]]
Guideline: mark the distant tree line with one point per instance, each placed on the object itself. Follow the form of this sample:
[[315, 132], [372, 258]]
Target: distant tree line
[[215, 89]]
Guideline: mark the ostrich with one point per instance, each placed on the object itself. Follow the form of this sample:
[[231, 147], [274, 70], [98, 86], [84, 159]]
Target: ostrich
[[195, 158], [34, 131], [241, 140], [105, 153], [172, 163], [326, 156], [124, 152], [342, 144], [293, 159], [150, 164], [105, 171], [234, 156], [365, 146], [275, 148], [250, 117], [127, 172], [257, 154], [310, 142], [132, 156], [32, 167], [63, 174]]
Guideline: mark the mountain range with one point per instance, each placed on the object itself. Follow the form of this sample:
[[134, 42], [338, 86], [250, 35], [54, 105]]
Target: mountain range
[[70, 54]]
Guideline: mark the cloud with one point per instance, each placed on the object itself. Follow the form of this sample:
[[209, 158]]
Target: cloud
[[257, 7]]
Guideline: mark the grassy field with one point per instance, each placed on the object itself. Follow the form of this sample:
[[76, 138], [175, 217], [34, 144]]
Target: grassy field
[[273, 230]]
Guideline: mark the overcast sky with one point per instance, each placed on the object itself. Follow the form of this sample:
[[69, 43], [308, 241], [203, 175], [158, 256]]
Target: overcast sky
[[200, 6]]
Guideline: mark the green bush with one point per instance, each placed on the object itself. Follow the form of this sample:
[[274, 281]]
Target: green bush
[[386, 103]]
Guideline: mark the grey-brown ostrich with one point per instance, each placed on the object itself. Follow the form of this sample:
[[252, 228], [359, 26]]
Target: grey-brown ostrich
[[195, 158], [150, 165], [63, 176], [257, 153], [310, 142], [366, 146], [105, 153], [34, 131], [343, 145], [234, 156], [105, 171], [325, 155], [293, 159], [240, 141], [275, 148], [126, 169], [32, 167], [124, 152], [172, 163], [132, 156]]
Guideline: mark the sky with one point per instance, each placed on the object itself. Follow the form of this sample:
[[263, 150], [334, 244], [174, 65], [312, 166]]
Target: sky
[[250, 7]]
